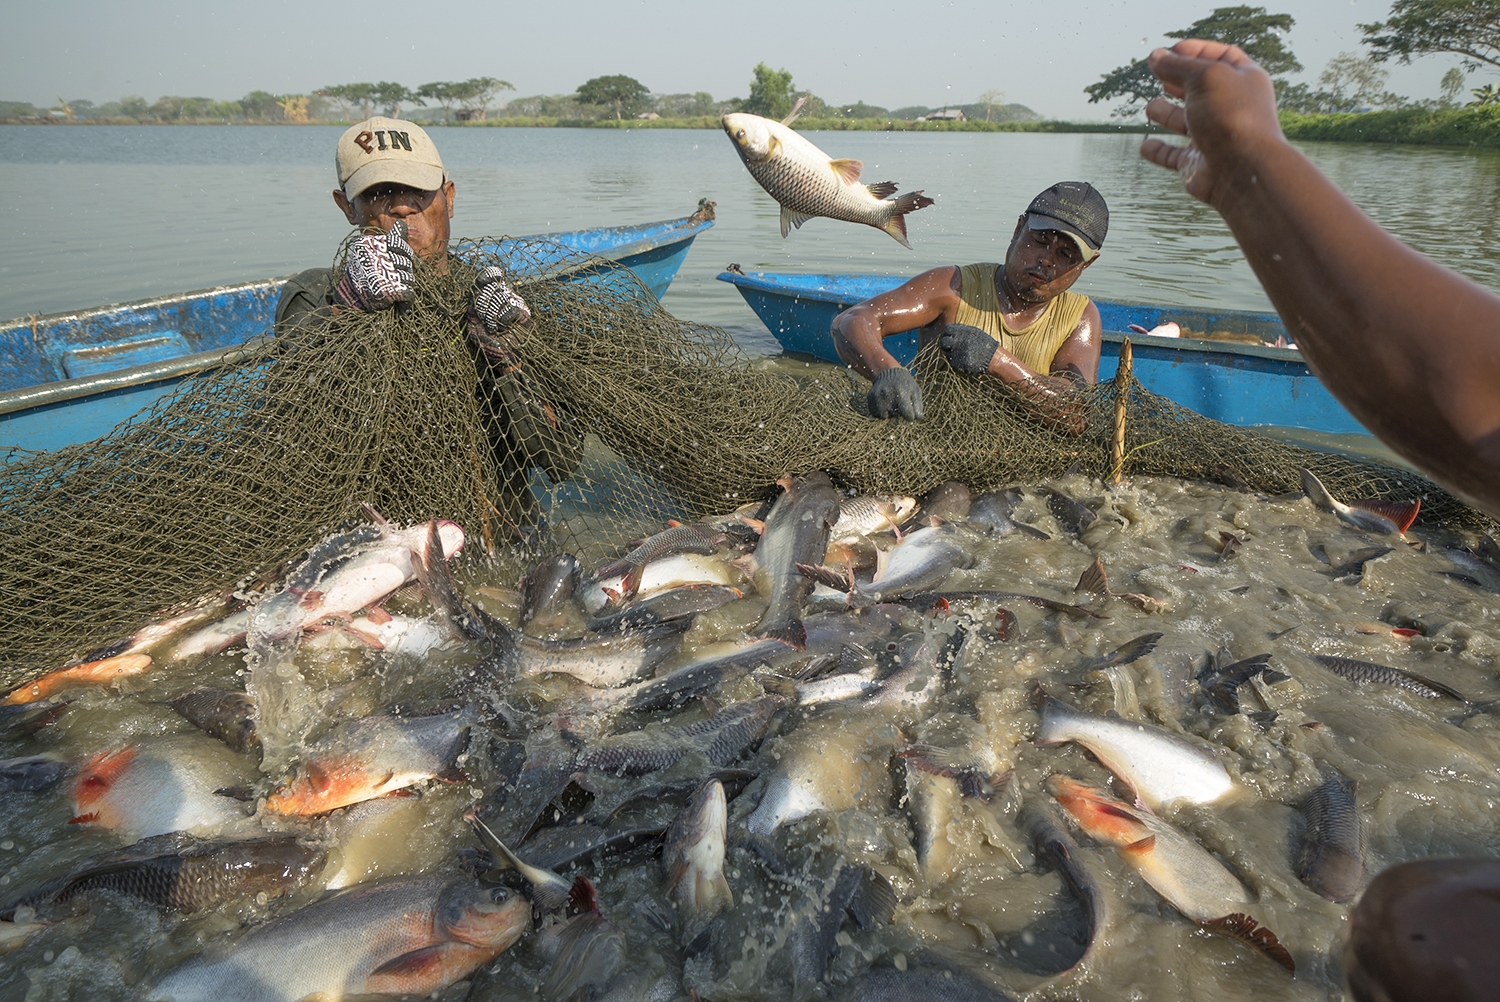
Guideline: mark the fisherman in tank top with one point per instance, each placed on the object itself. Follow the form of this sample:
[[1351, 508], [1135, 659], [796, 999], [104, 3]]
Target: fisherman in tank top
[[1015, 321]]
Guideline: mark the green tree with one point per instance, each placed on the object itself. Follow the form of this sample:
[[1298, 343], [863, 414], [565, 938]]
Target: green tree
[[770, 93], [1452, 87], [1251, 28], [134, 106], [355, 100], [625, 93], [442, 92], [262, 106], [1468, 28], [990, 98], [1487, 95], [389, 97], [1355, 81]]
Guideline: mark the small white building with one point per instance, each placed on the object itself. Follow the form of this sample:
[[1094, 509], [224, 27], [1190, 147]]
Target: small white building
[[648, 116], [946, 115]]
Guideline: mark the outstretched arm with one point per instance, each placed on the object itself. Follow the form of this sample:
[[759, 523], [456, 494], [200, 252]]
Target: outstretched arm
[[858, 332], [1411, 348]]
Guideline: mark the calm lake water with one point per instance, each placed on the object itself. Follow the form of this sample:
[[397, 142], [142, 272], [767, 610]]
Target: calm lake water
[[113, 213]]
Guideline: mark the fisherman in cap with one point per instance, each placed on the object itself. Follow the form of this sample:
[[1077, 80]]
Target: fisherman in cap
[[1015, 321], [392, 185]]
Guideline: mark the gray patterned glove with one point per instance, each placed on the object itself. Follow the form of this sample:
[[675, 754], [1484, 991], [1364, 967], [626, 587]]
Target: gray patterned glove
[[495, 309], [379, 272], [969, 349], [895, 393]]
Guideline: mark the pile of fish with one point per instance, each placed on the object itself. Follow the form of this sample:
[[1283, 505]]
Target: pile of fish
[[819, 747]]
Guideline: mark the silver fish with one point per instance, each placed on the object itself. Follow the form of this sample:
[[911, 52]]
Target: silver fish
[[547, 588], [409, 936], [920, 562], [796, 532], [806, 182], [692, 854], [1372, 516], [1162, 768], [1368, 671], [870, 514]]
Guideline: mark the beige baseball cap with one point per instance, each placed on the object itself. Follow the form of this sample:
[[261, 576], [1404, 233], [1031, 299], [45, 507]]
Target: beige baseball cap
[[380, 150]]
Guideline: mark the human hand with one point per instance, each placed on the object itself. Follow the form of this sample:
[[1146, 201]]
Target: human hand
[[1228, 109], [378, 273], [969, 349], [495, 309], [895, 393]]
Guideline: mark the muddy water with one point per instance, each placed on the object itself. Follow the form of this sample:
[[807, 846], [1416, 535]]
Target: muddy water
[[1426, 771]]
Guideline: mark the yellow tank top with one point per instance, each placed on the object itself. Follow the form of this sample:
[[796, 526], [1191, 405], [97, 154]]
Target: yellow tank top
[[1034, 346]]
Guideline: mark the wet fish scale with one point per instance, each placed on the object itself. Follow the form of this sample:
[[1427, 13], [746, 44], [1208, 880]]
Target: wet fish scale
[[1368, 671], [1333, 850]]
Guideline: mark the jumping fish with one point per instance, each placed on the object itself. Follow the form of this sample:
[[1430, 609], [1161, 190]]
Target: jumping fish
[[549, 585], [1051, 841], [1372, 516], [371, 757], [675, 571], [806, 182], [995, 508], [796, 532], [1176, 867], [400, 937], [98, 672], [1368, 671], [221, 713], [1333, 848], [1160, 767], [692, 854]]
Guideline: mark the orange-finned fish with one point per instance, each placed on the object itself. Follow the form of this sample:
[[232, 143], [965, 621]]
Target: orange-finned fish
[[1362, 513], [403, 937], [95, 673], [807, 182], [153, 787], [1176, 867], [371, 757]]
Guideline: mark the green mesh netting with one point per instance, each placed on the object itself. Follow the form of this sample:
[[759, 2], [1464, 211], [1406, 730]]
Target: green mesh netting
[[247, 465]]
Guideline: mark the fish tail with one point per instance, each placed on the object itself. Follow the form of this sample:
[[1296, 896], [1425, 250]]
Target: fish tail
[[909, 202], [1245, 929], [632, 582], [793, 634], [1403, 514], [1315, 491]]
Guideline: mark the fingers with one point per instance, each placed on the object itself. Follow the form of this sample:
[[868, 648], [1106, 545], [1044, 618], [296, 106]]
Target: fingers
[[1168, 115], [1189, 57], [1161, 153]]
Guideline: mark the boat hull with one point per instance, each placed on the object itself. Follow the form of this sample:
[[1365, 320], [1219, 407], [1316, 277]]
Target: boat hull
[[70, 378], [1240, 384]]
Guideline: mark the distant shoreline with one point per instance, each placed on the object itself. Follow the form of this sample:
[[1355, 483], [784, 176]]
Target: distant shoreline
[[1472, 128]]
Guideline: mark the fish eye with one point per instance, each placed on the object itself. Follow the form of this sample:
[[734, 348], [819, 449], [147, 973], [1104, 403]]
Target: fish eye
[[739, 134]]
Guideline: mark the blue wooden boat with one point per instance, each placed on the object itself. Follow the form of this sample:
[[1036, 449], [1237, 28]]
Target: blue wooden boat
[[1245, 381], [71, 377]]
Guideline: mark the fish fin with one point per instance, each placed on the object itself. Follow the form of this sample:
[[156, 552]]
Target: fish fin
[[793, 634], [884, 189], [897, 229], [370, 640], [792, 115], [1245, 929], [1446, 690], [791, 218], [631, 583], [675, 875], [583, 897], [825, 576], [317, 778], [757, 524], [311, 599], [409, 965], [1315, 491], [84, 819], [1140, 847], [1403, 514], [848, 171], [244, 794], [1093, 580]]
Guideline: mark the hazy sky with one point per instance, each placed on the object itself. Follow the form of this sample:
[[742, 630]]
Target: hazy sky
[[1039, 55]]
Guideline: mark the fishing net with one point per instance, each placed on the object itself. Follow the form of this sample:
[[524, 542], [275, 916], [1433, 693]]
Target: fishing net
[[618, 417]]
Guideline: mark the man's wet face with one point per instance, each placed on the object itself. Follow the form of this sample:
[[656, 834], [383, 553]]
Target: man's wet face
[[1042, 264], [426, 214]]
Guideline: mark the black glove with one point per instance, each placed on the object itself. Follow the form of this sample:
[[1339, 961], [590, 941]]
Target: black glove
[[379, 272], [495, 309], [895, 393], [969, 349]]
